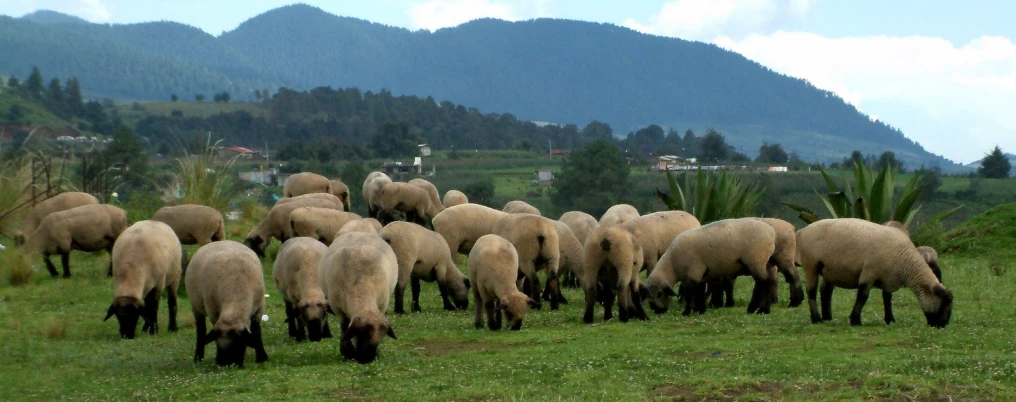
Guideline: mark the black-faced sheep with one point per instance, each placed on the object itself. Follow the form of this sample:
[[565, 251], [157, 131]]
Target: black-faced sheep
[[341, 190], [422, 255], [276, 225], [319, 223], [295, 275], [857, 254], [453, 198], [462, 225], [612, 259], [520, 207], [56, 203], [538, 247], [91, 227], [493, 269], [618, 214], [783, 257], [306, 183], [414, 201], [722, 249], [358, 274], [655, 231], [193, 224], [146, 260], [225, 284]]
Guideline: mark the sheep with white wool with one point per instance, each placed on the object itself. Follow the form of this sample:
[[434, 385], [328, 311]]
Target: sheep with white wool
[[422, 255], [341, 190], [462, 225], [369, 226], [720, 250], [618, 214], [858, 254], [372, 193], [520, 207], [306, 183], [538, 246], [193, 224], [319, 223], [225, 285], [580, 223], [358, 274], [493, 269], [295, 275], [146, 260], [453, 198], [56, 203], [655, 231], [612, 261], [435, 197], [277, 225], [409, 199], [90, 227], [572, 257], [928, 253]]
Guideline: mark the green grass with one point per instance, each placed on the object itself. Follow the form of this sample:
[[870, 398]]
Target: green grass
[[56, 346]]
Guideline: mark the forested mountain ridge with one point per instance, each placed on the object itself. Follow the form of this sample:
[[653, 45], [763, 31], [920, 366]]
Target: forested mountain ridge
[[546, 70]]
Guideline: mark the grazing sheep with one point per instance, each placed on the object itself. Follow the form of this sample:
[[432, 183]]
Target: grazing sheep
[[612, 259], [453, 198], [783, 256], [56, 203], [359, 225], [306, 183], [929, 254], [655, 231], [341, 190], [225, 284], [462, 225], [319, 223], [295, 275], [193, 224], [493, 269], [414, 201], [520, 207], [90, 227], [898, 226], [580, 223], [538, 246], [857, 254], [435, 198], [572, 258], [722, 249], [277, 225], [146, 260], [372, 192], [618, 214], [358, 274], [375, 223], [421, 254]]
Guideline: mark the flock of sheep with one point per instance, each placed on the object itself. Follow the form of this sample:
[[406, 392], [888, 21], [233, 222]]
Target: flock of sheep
[[335, 262]]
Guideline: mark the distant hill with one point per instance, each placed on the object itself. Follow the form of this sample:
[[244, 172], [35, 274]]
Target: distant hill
[[560, 71], [53, 17]]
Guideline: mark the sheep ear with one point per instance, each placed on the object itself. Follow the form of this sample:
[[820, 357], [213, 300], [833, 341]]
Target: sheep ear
[[644, 291], [391, 333], [531, 302], [942, 292], [210, 337], [669, 291], [110, 312], [466, 281]]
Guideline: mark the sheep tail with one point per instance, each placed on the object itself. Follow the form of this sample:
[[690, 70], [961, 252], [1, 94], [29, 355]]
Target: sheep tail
[[605, 244], [540, 239]]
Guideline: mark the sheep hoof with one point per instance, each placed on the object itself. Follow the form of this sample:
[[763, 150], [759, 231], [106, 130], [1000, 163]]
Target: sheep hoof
[[855, 321], [815, 319], [588, 318], [890, 320]]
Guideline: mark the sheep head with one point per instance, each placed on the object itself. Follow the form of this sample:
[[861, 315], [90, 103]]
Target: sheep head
[[256, 243], [127, 310], [459, 288], [937, 305], [659, 294], [515, 307], [231, 343], [363, 336], [313, 315]]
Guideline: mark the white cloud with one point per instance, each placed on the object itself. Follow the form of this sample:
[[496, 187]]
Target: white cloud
[[705, 19], [956, 101], [435, 14], [91, 10]]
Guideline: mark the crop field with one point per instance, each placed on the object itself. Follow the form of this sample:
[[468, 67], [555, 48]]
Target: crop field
[[56, 346]]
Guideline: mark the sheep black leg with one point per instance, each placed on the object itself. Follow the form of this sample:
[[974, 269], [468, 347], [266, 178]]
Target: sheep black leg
[[493, 316], [202, 332], [608, 303], [700, 298], [533, 291], [478, 306], [813, 305], [827, 301], [448, 306], [766, 298], [49, 265], [400, 294], [152, 307], [862, 298], [555, 293], [325, 331], [624, 308], [714, 292], [65, 260], [291, 320], [636, 300], [109, 251], [728, 289], [587, 317], [756, 296], [688, 290], [301, 328], [171, 303], [260, 356], [793, 279], [415, 284], [887, 302]]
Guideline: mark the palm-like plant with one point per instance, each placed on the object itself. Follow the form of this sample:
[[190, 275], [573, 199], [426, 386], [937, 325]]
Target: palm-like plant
[[714, 196]]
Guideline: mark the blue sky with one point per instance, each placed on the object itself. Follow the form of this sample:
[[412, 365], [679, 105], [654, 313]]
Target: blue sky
[[944, 72]]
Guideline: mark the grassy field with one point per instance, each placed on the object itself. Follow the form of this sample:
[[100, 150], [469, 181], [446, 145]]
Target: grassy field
[[56, 346]]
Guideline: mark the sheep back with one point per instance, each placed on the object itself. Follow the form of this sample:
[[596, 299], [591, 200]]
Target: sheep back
[[319, 223], [580, 223], [305, 183], [520, 207], [453, 198], [56, 203], [193, 224], [341, 190], [619, 214], [90, 227], [462, 225], [657, 230]]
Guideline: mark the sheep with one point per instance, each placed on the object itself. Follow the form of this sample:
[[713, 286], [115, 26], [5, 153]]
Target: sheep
[[193, 224], [412, 200], [898, 226], [359, 225], [619, 214], [462, 225], [358, 274], [90, 227], [580, 223], [421, 255], [435, 198], [783, 256], [56, 203], [655, 231], [341, 190], [295, 275], [572, 257], [225, 284], [520, 207], [858, 254], [319, 223], [453, 198], [146, 260], [538, 246], [277, 225], [372, 192], [493, 269], [721, 249], [375, 224], [929, 254], [612, 259], [306, 183]]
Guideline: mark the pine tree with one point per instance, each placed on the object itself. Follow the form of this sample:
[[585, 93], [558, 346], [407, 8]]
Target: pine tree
[[995, 165], [34, 83], [75, 102]]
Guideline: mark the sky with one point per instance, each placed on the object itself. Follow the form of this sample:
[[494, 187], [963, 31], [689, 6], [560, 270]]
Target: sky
[[943, 71]]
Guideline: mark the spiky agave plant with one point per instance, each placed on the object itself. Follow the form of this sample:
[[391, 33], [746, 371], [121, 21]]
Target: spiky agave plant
[[713, 196]]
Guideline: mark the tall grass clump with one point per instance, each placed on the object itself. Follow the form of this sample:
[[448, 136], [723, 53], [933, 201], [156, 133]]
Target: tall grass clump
[[204, 179], [15, 182], [16, 264]]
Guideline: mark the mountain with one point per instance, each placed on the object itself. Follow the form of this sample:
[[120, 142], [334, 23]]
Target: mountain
[[550, 70], [52, 17]]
